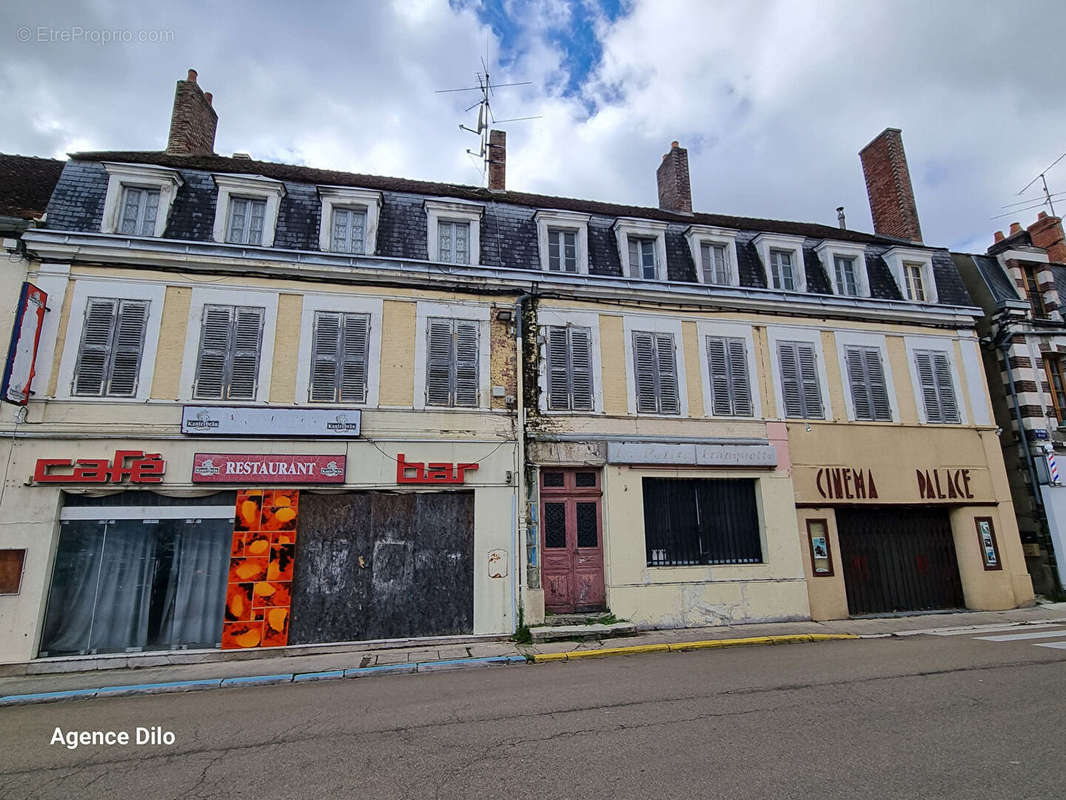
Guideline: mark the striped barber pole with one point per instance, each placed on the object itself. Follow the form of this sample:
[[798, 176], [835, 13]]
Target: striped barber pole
[[1053, 468]]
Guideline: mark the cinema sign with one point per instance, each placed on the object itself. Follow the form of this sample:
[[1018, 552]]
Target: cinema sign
[[878, 484]]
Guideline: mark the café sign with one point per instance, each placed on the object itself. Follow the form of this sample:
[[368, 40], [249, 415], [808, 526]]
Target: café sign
[[134, 466], [256, 468]]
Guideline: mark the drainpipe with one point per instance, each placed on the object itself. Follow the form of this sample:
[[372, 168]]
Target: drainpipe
[[1005, 335], [520, 434]]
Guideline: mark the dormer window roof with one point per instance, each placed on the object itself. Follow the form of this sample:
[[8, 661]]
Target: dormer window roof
[[845, 265]]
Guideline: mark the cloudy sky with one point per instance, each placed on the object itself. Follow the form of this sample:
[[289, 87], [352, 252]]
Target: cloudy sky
[[772, 99]]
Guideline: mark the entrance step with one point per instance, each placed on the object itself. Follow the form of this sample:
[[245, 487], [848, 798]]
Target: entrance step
[[580, 631]]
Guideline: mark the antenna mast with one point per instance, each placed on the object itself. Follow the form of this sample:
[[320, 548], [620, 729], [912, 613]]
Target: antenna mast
[[1043, 182]]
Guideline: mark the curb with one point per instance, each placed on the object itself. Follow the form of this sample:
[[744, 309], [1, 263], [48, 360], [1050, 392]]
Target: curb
[[681, 647], [257, 680]]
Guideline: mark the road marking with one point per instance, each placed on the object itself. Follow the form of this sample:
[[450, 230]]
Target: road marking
[[1014, 637], [967, 629], [1056, 645]]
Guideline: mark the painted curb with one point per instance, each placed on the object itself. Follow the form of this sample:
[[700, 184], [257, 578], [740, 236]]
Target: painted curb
[[681, 647]]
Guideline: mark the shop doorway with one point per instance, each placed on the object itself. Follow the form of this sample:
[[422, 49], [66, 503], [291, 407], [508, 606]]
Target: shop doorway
[[571, 540], [898, 559]]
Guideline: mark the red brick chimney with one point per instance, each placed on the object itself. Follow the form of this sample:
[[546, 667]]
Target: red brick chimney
[[675, 192], [1047, 233], [888, 184], [497, 161], [193, 120]]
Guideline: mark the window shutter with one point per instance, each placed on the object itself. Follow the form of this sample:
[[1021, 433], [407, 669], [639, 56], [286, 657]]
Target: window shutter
[[247, 335], [558, 370], [466, 366], [739, 379], [812, 393], [790, 379], [927, 379], [668, 397], [324, 358], [126, 348], [91, 372], [949, 408], [356, 340], [581, 368], [718, 369], [215, 334], [875, 374], [635, 270], [855, 359], [644, 368], [439, 364]]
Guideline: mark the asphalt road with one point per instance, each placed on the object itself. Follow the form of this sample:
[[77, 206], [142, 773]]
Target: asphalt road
[[915, 717]]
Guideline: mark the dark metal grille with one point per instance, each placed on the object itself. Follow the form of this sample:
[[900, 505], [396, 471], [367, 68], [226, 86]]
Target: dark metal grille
[[555, 524], [584, 479], [553, 478], [586, 525], [701, 521]]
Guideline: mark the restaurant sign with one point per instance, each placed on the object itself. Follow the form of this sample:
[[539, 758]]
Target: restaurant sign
[[254, 421], [257, 468]]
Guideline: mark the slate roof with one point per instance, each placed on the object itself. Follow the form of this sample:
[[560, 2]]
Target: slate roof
[[508, 229], [994, 277], [26, 183]]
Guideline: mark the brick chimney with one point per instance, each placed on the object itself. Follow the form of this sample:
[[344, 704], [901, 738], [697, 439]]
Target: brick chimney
[[193, 121], [1047, 233], [888, 184], [497, 161], [675, 192]]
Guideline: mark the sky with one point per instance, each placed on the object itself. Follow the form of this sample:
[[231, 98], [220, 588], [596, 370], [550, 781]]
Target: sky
[[773, 100]]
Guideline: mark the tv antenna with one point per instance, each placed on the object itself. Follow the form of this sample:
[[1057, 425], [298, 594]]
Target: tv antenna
[[1033, 202], [485, 118]]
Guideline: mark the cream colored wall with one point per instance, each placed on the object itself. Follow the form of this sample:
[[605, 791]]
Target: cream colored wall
[[397, 353], [828, 596], [613, 354], [166, 383], [906, 400], [286, 350]]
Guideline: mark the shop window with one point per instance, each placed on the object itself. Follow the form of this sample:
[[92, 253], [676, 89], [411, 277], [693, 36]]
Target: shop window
[[1053, 365], [569, 368], [228, 364], [452, 362], [986, 539], [701, 521], [11, 563]]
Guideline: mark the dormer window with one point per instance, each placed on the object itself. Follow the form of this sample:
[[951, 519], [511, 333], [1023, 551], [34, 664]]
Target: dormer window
[[1033, 293], [782, 258], [139, 198], [562, 250], [913, 272], [246, 211], [844, 271], [845, 265], [349, 221], [713, 252], [914, 284], [642, 262], [563, 241], [642, 248], [454, 232]]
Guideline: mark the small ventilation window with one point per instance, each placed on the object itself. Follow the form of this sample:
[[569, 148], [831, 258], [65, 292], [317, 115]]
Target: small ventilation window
[[553, 479], [585, 479]]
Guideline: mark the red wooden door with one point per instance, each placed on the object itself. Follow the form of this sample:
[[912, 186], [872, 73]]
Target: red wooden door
[[571, 540]]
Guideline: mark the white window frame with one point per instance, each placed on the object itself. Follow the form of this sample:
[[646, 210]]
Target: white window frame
[[547, 318], [813, 336], [765, 242], [896, 257], [649, 324], [699, 235], [266, 299], [943, 344], [567, 221], [481, 314], [365, 200], [341, 304], [730, 331], [153, 294], [138, 176], [827, 253], [254, 187], [845, 339], [438, 211], [624, 227]]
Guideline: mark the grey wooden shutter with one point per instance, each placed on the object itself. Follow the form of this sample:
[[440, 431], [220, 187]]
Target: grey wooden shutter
[[353, 369], [669, 401], [215, 332], [244, 369], [645, 372], [928, 383], [126, 348], [812, 392], [739, 379], [855, 360], [949, 407], [90, 374], [938, 388], [875, 376], [439, 350], [790, 379], [581, 368], [466, 362], [324, 357], [718, 369], [558, 370]]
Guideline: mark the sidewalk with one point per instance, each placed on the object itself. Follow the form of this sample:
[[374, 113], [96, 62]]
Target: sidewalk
[[279, 667]]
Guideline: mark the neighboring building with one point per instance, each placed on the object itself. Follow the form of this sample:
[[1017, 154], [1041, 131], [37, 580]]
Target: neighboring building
[[712, 419], [1019, 283]]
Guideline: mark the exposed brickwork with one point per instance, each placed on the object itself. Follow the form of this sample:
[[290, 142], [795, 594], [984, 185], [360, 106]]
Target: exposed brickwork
[[1020, 362], [675, 191], [888, 185], [193, 121], [1047, 233], [1026, 386], [498, 161]]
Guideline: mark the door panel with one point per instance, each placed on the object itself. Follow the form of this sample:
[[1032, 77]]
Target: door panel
[[572, 548]]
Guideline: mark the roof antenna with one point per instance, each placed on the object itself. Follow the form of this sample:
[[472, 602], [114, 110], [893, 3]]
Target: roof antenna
[[485, 117], [1033, 202]]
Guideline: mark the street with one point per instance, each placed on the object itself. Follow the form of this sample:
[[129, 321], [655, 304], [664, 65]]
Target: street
[[917, 716]]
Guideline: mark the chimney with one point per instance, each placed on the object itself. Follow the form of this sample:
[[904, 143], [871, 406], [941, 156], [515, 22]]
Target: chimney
[[1047, 234], [497, 161], [840, 218], [888, 184], [193, 121], [675, 192]]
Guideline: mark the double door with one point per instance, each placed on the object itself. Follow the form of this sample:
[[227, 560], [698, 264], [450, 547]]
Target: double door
[[571, 540]]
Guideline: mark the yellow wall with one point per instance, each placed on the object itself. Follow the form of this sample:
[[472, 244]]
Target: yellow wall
[[397, 354], [166, 383]]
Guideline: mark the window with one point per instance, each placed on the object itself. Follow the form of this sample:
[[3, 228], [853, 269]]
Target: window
[[847, 283], [845, 266], [339, 358], [914, 283], [642, 262], [562, 250], [715, 264], [452, 362], [139, 210], [782, 259], [246, 211], [245, 224], [913, 272], [227, 367], [866, 377], [1032, 291], [937, 387], [701, 521], [349, 231], [112, 340], [454, 243], [641, 248], [800, 388], [713, 253], [782, 270], [1053, 365], [655, 371], [454, 231], [569, 368], [727, 363]]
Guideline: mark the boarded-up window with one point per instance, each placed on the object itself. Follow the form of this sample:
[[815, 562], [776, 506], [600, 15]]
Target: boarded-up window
[[452, 355], [109, 356], [727, 365], [937, 386], [228, 364], [569, 368], [701, 521], [339, 358], [655, 373], [866, 377], [800, 387], [11, 563]]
